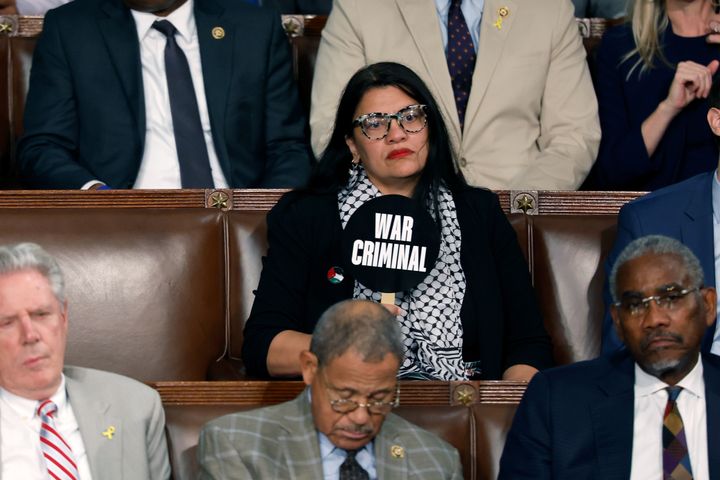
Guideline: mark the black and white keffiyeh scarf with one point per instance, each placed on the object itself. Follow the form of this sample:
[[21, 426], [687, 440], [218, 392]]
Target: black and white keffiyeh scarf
[[431, 325]]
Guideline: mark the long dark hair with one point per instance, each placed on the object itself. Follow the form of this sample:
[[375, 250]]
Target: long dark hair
[[332, 171]]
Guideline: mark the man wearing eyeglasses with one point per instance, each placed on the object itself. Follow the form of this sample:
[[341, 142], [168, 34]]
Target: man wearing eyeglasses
[[341, 426], [651, 410]]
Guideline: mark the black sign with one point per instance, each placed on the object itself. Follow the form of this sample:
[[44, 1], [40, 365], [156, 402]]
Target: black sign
[[390, 243]]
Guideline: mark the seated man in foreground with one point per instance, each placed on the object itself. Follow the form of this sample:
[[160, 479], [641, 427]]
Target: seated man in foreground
[[65, 423], [651, 410], [340, 425]]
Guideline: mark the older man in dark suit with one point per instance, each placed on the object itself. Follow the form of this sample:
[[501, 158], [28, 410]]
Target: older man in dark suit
[[649, 411], [163, 94]]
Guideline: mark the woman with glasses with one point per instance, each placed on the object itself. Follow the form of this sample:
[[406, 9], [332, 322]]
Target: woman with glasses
[[475, 315], [653, 78]]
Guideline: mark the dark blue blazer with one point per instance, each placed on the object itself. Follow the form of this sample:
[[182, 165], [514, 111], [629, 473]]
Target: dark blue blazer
[[576, 422], [85, 111], [682, 211]]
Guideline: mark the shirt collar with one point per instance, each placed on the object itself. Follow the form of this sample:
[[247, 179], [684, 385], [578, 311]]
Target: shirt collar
[[716, 197], [183, 19], [443, 6], [693, 382], [26, 408]]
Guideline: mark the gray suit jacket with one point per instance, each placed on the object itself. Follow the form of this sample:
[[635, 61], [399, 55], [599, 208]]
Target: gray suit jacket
[[137, 449], [281, 442]]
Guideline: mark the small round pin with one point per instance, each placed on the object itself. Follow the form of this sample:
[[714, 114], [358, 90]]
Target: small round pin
[[218, 33], [335, 275]]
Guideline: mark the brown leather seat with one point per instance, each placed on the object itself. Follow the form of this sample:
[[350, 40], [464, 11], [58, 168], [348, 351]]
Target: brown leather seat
[[567, 265], [145, 287]]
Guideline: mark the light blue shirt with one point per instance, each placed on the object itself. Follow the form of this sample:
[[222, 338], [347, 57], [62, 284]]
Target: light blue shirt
[[332, 457], [472, 11]]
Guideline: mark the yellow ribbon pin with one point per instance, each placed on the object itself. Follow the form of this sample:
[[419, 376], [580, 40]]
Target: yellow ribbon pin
[[502, 13], [109, 432]]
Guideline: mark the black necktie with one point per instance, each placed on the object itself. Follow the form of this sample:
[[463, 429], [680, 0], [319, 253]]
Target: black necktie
[[460, 57], [192, 152], [351, 469]]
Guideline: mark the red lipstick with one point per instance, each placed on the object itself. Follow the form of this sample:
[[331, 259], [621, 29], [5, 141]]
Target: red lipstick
[[400, 153]]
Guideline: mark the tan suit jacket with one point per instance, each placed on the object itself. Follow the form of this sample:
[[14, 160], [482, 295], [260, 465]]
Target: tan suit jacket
[[531, 119], [137, 449], [280, 442]]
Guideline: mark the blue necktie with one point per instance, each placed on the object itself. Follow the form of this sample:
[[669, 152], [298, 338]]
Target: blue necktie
[[460, 57], [192, 152]]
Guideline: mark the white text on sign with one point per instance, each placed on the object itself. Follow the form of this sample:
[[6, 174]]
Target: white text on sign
[[387, 254]]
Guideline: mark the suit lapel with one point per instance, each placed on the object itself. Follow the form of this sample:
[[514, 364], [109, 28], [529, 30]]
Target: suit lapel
[[612, 418], [697, 227], [302, 453], [118, 30], [697, 234], [216, 56], [94, 417], [421, 20], [387, 464], [711, 374], [493, 37]]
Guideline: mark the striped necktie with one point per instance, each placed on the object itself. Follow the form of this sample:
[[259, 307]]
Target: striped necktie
[[460, 57], [676, 459], [58, 454]]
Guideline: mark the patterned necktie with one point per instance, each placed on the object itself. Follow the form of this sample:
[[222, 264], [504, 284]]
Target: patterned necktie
[[460, 57], [676, 460], [192, 152], [351, 469], [58, 454]]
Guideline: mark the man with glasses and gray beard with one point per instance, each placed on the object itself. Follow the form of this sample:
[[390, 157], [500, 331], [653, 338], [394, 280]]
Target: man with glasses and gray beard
[[341, 426], [650, 410]]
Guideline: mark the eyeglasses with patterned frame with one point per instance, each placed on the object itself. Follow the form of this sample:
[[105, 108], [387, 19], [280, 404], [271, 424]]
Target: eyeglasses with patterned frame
[[347, 405], [668, 301], [376, 125]]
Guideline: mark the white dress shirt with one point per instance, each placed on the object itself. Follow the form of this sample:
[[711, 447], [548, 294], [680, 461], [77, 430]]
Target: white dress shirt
[[159, 167], [21, 456], [650, 401], [37, 7], [472, 11]]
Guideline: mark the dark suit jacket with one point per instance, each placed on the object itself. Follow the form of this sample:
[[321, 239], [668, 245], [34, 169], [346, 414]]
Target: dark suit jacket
[[682, 211], [501, 319], [576, 422], [85, 112], [314, 7]]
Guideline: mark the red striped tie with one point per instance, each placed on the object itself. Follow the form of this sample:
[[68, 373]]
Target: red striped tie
[[58, 454]]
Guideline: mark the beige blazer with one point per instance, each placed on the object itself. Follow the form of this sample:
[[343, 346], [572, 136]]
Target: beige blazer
[[137, 449], [280, 442], [531, 120]]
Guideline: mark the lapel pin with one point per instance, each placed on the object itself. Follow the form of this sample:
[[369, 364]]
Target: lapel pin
[[397, 451], [502, 13], [335, 275], [109, 432], [218, 33]]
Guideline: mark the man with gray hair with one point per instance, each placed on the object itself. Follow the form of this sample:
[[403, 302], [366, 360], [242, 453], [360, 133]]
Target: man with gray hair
[[58, 422], [340, 427], [651, 410]]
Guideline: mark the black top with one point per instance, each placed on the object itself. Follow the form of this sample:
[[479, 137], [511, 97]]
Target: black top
[[501, 319], [687, 148]]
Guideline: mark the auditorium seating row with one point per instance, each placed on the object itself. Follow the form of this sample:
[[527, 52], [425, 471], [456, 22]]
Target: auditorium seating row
[[160, 282], [18, 35]]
